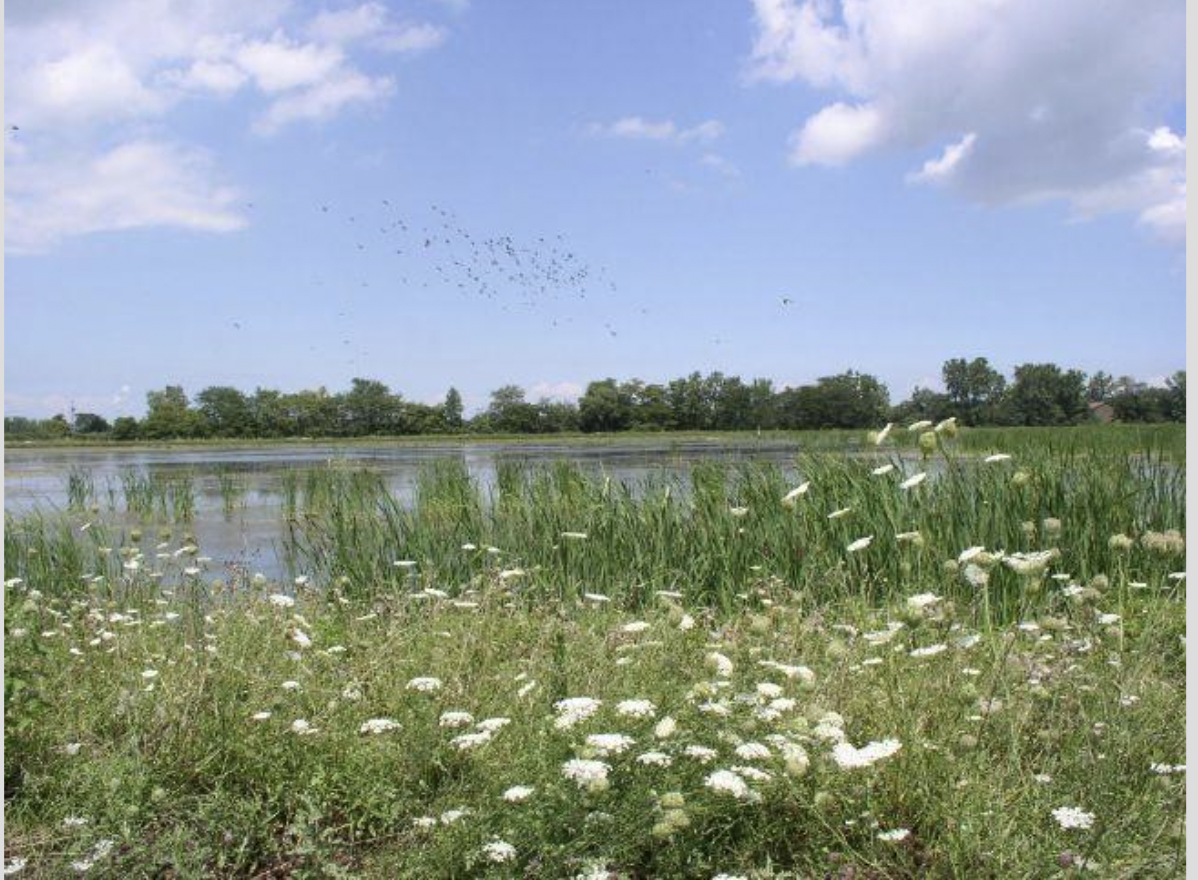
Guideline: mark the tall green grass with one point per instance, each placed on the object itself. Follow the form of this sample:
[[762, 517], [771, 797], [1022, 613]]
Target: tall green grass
[[683, 534]]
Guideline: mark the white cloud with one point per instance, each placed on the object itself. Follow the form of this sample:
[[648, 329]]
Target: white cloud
[[1036, 101], [87, 80], [93, 83], [280, 64], [371, 24], [942, 168], [410, 38], [638, 128], [135, 185], [218, 77], [719, 164], [837, 134], [325, 99]]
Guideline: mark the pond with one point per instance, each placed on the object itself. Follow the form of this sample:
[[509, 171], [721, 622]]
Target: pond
[[235, 493]]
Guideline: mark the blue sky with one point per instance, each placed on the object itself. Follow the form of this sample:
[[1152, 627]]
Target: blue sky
[[164, 218]]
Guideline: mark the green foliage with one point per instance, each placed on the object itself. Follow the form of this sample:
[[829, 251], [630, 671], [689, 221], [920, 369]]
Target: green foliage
[[1044, 394], [150, 738], [976, 394]]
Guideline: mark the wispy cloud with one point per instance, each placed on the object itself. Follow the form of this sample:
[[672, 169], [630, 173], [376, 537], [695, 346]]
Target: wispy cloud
[[1020, 101], [85, 83], [665, 130], [135, 185]]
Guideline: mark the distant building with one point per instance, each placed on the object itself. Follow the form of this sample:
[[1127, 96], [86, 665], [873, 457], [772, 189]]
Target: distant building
[[1101, 412]]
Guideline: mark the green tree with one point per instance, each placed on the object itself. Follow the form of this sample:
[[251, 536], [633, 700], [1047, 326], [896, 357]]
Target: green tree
[[90, 423], [125, 428], [1177, 396], [55, 427], [650, 406], [371, 409], [452, 410], [973, 388], [1142, 405], [924, 403], [847, 400], [1100, 388], [557, 416], [170, 415], [1044, 394], [510, 413], [690, 408], [605, 406], [226, 411], [271, 415]]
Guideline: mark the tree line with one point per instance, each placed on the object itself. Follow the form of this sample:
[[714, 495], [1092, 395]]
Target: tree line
[[974, 392]]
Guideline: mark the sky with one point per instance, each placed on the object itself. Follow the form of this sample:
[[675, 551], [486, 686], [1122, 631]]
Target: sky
[[210, 192]]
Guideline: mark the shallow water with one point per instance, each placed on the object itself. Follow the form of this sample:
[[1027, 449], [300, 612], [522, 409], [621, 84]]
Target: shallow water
[[249, 536]]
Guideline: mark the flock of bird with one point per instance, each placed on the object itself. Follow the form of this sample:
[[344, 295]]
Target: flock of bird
[[435, 248], [500, 268]]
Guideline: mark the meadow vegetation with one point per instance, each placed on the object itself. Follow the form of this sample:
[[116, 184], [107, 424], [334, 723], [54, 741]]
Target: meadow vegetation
[[928, 661]]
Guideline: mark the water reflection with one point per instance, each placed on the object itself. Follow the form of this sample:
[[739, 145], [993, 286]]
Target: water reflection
[[236, 493]]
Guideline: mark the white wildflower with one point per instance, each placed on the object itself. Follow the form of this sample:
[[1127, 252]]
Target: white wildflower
[[665, 728], [920, 601], [499, 851], [470, 741], [702, 754], [378, 725], [424, 684], [752, 774], [860, 544], [850, 757], [728, 783], [654, 759], [591, 775], [636, 708], [929, 650], [605, 744], [722, 664], [1073, 817], [574, 710], [1030, 564], [753, 751], [518, 794], [794, 494], [455, 719]]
